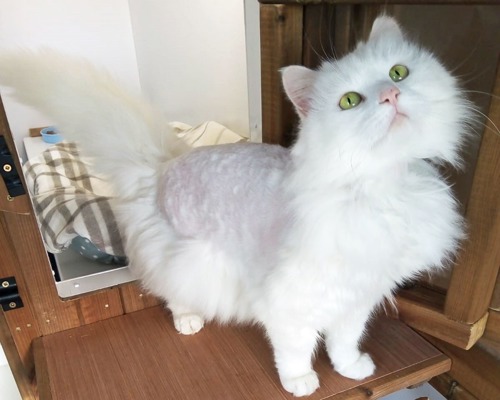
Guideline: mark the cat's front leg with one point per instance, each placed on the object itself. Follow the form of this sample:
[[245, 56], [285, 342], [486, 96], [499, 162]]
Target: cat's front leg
[[186, 321], [342, 342], [293, 348]]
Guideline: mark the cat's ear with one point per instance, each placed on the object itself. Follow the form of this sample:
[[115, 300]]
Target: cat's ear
[[385, 26], [298, 83]]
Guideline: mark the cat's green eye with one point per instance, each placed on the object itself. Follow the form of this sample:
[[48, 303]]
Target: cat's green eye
[[350, 100], [398, 73]]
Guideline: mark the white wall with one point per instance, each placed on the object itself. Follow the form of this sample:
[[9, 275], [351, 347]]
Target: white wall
[[192, 61], [96, 29], [187, 56]]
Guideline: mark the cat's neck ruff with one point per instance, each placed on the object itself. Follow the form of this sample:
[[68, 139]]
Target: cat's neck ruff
[[340, 170]]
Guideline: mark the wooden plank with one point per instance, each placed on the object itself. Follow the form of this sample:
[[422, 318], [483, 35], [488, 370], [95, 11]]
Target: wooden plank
[[333, 31], [344, 30], [475, 273], [42, 371], [141, 356], [318, 36], [23, 327], [495, 298], [281, 45], [53, 314], [363, 17], [387, 385], [353, 23], [491, 338], [98, 306], [136, 299], [22, 373], [21, 321], [19, 204], [476, 370], [422, 309]]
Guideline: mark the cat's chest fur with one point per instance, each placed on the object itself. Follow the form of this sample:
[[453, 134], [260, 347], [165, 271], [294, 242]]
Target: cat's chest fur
[[398, 220], [367, 235], [351, 245]]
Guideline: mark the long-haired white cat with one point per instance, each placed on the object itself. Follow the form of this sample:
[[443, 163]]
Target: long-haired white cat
[[307, 241]]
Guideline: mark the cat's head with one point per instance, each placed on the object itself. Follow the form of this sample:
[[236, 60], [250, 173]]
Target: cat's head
[[389, 98]]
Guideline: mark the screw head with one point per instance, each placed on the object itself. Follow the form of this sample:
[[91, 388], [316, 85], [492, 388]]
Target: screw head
[[5, 284], [12, 304], [7, 167]]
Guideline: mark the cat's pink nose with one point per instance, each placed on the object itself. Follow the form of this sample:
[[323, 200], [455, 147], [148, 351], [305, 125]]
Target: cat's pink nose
[[390, 95]]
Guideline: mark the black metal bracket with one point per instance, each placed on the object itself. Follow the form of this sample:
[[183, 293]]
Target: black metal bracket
[[9, 172], [9, 294]]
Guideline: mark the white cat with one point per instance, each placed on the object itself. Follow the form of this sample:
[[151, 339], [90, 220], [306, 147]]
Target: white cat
[[305, 242]]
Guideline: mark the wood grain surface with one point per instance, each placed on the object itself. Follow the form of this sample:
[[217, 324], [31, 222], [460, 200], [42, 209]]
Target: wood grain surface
[[141, 356], [474, 276]]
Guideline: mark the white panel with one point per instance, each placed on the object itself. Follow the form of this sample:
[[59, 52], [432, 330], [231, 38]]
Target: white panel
[[192, 60], [98, 30]]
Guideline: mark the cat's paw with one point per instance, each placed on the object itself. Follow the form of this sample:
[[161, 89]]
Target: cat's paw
[[360, 369], [188, 324], [301, 386]]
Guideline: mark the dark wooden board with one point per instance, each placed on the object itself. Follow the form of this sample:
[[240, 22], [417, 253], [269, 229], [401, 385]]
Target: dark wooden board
[[141, 356]]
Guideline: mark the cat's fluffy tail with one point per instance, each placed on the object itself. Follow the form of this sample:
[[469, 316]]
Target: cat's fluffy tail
[[127, 138]]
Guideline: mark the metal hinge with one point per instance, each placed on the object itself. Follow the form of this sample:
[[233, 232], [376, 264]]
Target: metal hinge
[[9, 172], [9, 294]]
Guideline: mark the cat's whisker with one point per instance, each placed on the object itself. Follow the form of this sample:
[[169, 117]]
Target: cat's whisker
[[324, 56], [469, 56], [473, 74], [445, 188], [330, 36], [321, 38], [481, 92], [494, 128]]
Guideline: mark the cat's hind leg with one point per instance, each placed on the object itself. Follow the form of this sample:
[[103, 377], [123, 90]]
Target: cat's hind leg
[[196, 278], [165, 264], [200, 283]]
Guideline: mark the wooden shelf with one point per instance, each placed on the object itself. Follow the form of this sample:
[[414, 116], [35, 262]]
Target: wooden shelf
[[141, 356], [422, 309]]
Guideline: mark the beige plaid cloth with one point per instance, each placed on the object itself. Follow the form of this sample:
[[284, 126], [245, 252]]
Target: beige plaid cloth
[[71, 202]]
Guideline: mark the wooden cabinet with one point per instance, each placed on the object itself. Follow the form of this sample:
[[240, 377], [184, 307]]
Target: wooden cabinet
[[119, 343]]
